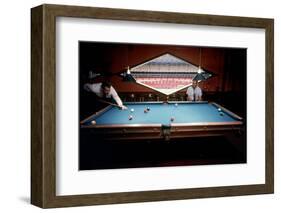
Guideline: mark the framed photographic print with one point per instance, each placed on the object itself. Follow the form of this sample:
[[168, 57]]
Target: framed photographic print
[[137, 106]]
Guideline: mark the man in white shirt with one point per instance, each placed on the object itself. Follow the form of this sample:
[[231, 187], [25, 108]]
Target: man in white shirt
[[194, 92], [105, 90]]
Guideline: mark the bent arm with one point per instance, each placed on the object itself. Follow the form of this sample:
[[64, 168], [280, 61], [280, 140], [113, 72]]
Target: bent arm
[[116, 97], [189, 94], [200, 95]]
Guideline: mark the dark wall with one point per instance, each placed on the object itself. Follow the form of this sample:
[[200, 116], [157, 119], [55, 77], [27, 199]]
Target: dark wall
[[113, 58]]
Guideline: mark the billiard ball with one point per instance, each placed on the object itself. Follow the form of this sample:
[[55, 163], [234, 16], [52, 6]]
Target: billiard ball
[[221, 114], [132, 110], [176, 104], [130, 117], [172, 119], [219, 109], [147, 108], [145, 111], [93, 122]]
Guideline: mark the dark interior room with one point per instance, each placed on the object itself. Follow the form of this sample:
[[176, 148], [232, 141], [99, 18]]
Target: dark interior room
[[227, 86]]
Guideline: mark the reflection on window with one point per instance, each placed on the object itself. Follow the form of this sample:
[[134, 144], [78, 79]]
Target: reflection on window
[[167, 74]]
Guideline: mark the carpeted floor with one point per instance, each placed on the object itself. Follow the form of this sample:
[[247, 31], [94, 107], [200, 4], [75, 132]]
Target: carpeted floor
[[98, 154]]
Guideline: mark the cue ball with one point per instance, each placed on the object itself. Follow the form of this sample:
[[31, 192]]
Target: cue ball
[[176, 104], [219, 109], [130, 117], [172, 119], [93, 122], [132, 110]]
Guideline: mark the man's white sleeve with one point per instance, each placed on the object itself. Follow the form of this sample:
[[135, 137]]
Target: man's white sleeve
[[189, 92], [200, 92], [116, 97], [95, 88]]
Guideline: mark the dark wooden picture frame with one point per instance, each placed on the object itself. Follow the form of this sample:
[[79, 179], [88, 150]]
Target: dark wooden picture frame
[[43, 105]]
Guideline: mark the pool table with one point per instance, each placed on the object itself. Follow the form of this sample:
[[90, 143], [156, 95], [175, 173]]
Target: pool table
[[162, 120]]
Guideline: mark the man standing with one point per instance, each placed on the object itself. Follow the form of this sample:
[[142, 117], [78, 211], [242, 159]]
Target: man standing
[[105, 90], [194, 92]]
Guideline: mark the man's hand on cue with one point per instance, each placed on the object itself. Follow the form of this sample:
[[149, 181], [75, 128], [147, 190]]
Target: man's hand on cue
[[123, 107]]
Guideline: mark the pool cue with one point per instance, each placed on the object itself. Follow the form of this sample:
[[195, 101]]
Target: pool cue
[[102, 101], [106, 102]]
